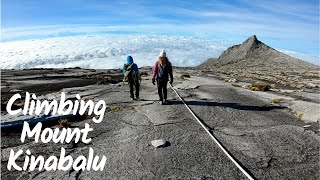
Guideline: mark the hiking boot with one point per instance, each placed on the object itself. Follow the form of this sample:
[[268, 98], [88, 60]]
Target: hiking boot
[[138, 99], [160, 102], [132, 99], [165, 102]]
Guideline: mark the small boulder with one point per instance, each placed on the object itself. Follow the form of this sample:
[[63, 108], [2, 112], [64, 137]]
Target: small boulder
[[259, 86], [160, 143], [143, 73], [233, 80], [312, 85], [183, 76]]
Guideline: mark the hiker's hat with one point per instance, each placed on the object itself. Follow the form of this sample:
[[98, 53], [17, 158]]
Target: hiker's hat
[[162, 54], [129, 60]]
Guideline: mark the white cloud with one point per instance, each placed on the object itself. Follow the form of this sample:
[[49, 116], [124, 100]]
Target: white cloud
[[110, 51], [106, 51], [314, 59]]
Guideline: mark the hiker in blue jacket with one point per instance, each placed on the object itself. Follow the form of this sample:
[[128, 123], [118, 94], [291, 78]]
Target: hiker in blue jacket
[[131, 74]]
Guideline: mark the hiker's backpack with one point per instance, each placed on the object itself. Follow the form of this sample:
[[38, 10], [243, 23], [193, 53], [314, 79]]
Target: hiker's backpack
[[129, 71], [162, 71]]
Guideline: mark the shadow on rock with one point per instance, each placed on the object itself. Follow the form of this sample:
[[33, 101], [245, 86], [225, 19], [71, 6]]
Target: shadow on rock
[[229, 105]]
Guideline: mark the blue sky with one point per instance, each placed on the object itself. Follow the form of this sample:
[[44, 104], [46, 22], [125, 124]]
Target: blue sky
[[285, 24]]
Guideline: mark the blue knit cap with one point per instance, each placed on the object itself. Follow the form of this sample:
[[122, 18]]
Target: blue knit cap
[[129, 60]]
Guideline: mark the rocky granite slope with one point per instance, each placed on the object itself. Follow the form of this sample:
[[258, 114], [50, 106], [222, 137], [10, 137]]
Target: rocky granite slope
[[267, 139], [255, 60]]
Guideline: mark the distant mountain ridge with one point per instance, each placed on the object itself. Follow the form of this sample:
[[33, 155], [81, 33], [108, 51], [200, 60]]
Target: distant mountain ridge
[[253, 53], [254, 60]]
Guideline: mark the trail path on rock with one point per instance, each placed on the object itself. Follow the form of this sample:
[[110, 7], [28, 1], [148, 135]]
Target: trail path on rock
[[268, 141]]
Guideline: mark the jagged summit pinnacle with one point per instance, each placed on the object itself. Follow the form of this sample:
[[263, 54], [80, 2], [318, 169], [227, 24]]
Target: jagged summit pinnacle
[[253, 37], [248, 48], [252, 41]]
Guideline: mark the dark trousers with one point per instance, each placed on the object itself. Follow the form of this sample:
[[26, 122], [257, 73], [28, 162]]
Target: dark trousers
[[162, 88], [134, 83]]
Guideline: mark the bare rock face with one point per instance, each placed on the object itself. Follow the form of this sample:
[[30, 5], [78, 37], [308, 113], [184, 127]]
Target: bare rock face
[[256, 60], [253, 53], [240, 52]]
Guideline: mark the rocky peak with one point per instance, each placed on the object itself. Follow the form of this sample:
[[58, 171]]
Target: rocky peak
[[253, 54], [250, 47], [252, 41]]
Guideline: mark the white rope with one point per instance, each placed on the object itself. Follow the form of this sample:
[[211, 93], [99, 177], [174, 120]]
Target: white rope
[[214, 139]]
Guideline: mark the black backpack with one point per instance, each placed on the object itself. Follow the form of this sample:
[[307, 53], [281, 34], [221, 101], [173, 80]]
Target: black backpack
[[163, 70], [129, 71]]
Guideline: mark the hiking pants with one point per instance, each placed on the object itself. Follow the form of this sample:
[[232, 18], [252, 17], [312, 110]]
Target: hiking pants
[[162, 88], [134, 83]]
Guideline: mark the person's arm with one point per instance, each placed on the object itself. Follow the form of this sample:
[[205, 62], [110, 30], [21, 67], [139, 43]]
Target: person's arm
[[170, 73], [123, 69], [136, 69], [154, 71]]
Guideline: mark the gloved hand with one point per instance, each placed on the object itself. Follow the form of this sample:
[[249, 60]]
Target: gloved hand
[[153, 81], [171, 81]]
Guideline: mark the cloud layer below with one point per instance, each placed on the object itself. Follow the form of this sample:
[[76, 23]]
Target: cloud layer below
[[110, 51], [106, 51]]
